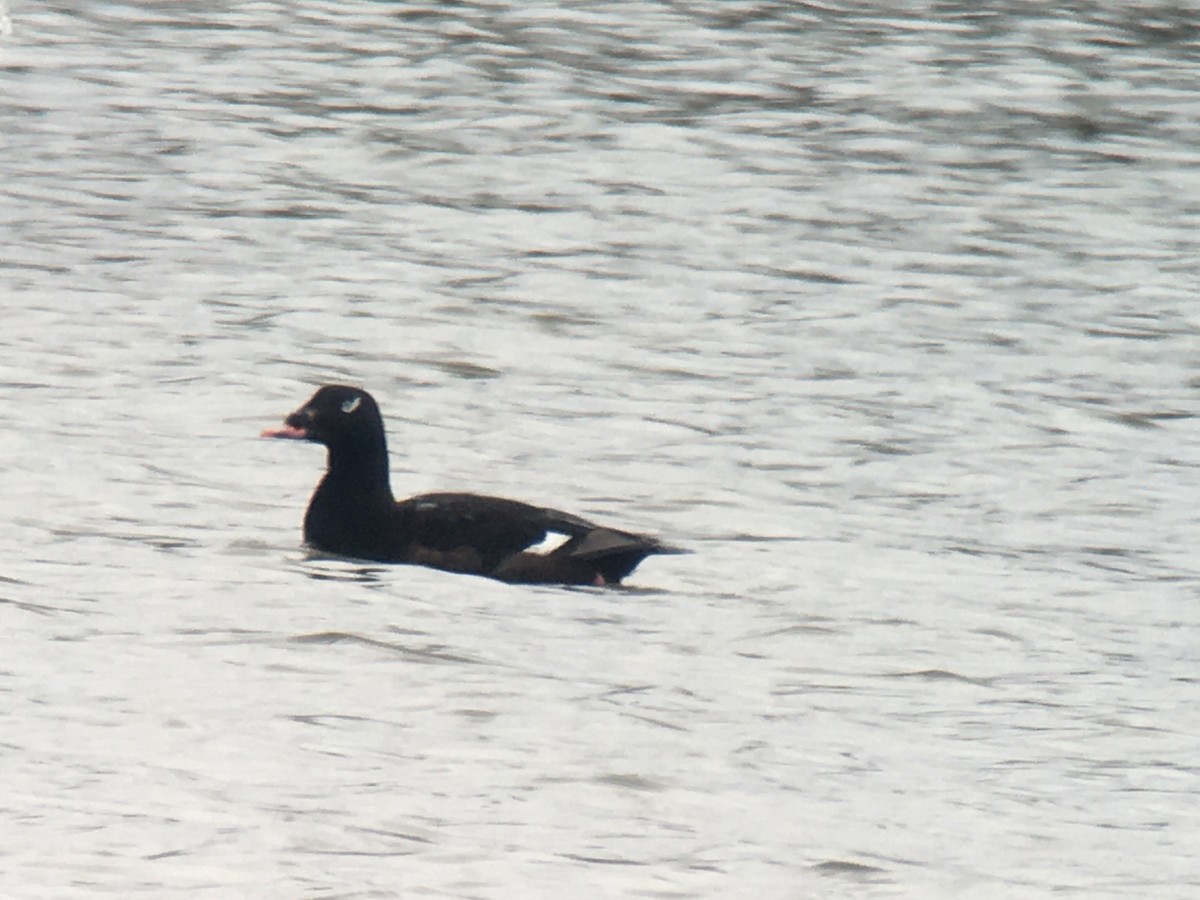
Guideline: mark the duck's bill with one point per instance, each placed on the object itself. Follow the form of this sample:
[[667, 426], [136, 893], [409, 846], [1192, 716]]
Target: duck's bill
[[288, 432]]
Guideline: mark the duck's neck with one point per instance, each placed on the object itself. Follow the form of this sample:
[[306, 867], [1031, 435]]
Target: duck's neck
[[359, 469], [352, 504]]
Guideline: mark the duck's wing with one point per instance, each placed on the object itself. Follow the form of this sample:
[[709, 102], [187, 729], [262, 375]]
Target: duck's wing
[[495, 528], [491, 536]]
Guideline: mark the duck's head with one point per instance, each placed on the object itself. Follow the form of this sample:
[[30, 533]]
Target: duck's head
[[336, 415]]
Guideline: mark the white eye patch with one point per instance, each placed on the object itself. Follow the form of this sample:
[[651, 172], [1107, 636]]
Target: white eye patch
[[351, 405]]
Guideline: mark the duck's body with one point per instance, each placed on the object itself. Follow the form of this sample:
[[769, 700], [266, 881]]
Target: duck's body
[[353, 512]]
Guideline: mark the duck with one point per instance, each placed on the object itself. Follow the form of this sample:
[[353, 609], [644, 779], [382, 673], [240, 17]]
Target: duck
[[353, 512]]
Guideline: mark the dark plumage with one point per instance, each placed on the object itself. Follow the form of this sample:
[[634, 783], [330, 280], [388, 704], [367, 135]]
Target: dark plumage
[[353, 513]]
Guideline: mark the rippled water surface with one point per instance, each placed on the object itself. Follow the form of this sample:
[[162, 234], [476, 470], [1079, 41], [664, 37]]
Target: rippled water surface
[[888, 313]]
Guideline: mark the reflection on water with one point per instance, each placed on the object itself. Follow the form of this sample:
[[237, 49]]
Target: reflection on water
[[887, 314]]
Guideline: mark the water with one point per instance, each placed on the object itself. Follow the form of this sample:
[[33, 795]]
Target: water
[[887, 314]]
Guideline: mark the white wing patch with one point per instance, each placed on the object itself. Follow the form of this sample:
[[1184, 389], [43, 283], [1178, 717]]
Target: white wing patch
[[351, 405], [551, 542]]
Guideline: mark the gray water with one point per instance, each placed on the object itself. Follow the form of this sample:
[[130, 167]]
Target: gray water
[[888, 313]]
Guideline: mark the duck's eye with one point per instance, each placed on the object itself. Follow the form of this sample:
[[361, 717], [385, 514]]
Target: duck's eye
[[351, 405]]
